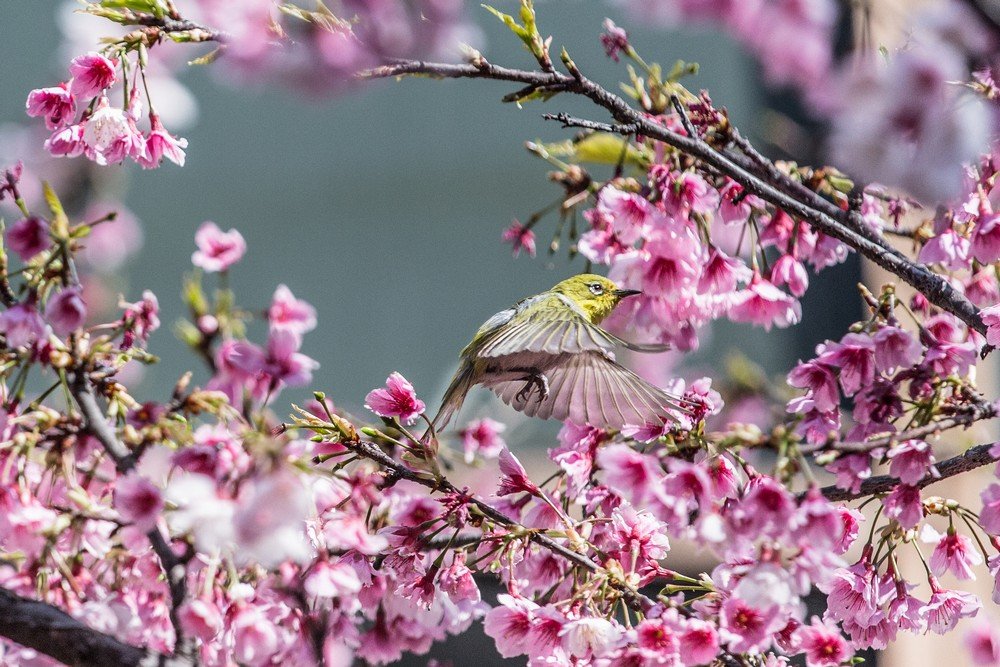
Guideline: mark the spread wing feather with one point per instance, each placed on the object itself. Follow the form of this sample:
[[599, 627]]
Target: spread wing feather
[[588, 387], [550, 325]]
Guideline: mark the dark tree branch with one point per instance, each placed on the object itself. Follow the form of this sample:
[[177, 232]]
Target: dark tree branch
[[785, 193], [632, 597], [50, 630], [973, 458], [95, 423]]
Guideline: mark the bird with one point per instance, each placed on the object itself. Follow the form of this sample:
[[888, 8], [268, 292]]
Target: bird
[[547, 356]]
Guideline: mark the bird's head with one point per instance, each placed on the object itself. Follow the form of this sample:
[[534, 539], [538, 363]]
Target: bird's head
[[595, 295]]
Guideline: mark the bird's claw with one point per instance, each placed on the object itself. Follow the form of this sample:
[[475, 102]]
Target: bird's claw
[[530, 382]]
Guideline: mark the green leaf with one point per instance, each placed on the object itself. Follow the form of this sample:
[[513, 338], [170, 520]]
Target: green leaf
[[681, 69], [208, 58], [60, 223], [156, 7], [510, 22]]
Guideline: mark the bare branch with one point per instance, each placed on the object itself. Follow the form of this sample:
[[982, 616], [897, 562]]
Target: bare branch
[[973, 458], [95, 423], [965, 419], [50, 630]]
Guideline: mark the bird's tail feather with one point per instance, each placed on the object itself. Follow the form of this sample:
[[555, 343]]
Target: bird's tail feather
[[454, 396]]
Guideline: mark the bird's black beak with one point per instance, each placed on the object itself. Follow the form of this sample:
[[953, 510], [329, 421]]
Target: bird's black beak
[[622, 293]]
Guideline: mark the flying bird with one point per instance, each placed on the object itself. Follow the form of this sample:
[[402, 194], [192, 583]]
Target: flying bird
[[547, 357]]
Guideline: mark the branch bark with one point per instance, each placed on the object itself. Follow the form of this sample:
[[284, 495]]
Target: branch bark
[[973, 458], [50, 630], [95, 423], [770, 185]]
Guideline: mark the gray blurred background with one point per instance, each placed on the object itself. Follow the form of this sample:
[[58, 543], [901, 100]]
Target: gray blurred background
[[384, 207]]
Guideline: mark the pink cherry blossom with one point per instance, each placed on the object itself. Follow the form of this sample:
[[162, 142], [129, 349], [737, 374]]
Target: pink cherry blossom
[[821, 382], [513, 477], [509, 624], [854, 593], [161, 144], [745, 628], [823, 645], [28, 237], [255, 637], [789, 271], [947, 607], [590, 637], [200, 618], [110, 135], [332, 580], [953, 553], [613, 39], [948, 249], [520, 238], [699, 642], [217, 250], [482, 438], [911, 461], [991, 318], [66, 311], [765, 305], [630, 214], [287, 311], [629, 472], [92, 74], [904, 505], [138, 500], [685, 192], [895, 348], [721, 273], [55, 104], [989, 516], [140, 319], [986, 236], [736, 205], [67, 141], [397, 399], [854, 355]]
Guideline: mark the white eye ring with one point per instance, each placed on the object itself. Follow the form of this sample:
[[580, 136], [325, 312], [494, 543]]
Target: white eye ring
[[596, 289]]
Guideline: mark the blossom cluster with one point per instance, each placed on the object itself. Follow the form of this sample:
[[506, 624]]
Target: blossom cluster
[[84, 122], [900, 112]]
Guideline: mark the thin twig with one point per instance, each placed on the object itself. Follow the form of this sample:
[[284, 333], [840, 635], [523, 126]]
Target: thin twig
[[51, 631], [965, 419], [822, 215]]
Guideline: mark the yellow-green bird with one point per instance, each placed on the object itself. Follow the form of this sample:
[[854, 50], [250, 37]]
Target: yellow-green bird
[[547, 357]]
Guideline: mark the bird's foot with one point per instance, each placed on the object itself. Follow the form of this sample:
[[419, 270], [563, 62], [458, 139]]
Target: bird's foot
[[530, 383]]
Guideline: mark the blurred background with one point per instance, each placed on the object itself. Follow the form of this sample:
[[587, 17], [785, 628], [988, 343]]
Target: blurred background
[[383, 207]]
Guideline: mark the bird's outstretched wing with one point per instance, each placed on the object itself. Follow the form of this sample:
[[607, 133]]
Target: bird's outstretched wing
[[551, 328], [589, 387]]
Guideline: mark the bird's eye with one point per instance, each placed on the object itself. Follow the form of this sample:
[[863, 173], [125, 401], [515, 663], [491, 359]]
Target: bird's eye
[[597, 289]]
